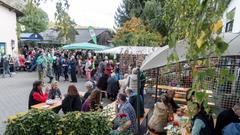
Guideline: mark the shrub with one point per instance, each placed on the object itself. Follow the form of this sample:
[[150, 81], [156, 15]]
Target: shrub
[[45, 122], [35, 122], [85, 123]]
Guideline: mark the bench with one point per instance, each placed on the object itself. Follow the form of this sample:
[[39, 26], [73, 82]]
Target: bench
[[145, 116], [180, 93]]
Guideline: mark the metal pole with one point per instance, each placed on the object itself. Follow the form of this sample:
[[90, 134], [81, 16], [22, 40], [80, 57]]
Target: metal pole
[[157, 85], [138, 105]]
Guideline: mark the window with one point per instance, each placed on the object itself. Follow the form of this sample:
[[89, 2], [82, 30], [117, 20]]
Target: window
[[230, 20], [229, 26], [2, 48]]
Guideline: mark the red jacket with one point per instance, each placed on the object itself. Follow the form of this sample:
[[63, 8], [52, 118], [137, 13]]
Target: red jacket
[[40, 97]]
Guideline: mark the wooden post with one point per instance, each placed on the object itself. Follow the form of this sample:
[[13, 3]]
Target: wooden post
[[138, 105], [157, 84]]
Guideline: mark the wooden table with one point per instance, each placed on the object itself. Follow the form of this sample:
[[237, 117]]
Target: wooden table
[[57, 103], [45, 106]]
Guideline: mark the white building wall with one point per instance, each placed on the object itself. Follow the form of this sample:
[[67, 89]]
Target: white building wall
[[236, 24], [8, 29]]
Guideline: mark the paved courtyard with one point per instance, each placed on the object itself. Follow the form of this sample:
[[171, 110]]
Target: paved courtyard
[[14, 94]]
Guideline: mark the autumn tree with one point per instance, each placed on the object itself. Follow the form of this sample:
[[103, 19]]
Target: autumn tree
[[134, 33]]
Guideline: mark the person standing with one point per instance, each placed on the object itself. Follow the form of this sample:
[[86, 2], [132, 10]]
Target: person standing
[[132, 80], [58, 66], [41, 66], [80, 67], [49, 67], [88, 68], [6, 66], [65, 68], [112, 87], [73, 65]]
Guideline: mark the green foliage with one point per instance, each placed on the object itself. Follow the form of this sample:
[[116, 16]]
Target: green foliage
[[149, 11], [153, 16], [90, 123], [198, 22], [35, 122], [43, 122], [135, 33], [35, 19], [127, 10], [231, 14], [65, 25]]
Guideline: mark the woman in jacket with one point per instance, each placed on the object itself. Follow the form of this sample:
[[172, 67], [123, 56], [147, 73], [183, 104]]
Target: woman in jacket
[[72, 101], [159, 119], [132, 80], [89, 87], [37, 96], [92, 102], [202, 123]]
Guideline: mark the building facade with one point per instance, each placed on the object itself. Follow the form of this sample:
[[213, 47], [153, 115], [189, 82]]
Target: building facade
[[8, 26], [231, 17]]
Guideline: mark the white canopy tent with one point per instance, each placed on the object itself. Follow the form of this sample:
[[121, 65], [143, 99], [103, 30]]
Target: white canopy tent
[[130, 49], [159, 58]]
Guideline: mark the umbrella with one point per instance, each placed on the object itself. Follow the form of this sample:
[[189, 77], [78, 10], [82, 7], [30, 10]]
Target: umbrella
[[131, 50], [159, 58], [85, 46]]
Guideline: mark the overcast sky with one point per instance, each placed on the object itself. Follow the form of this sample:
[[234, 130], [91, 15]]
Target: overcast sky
[[96, 13]]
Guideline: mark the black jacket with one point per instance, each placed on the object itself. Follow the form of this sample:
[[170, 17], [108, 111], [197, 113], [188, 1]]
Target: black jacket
[[208, 121], [224, 118], [102, 83], [133, 102], [71, 103]]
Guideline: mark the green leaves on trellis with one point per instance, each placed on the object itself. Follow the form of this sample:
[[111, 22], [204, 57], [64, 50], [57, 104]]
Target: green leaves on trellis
[[197, 22], [225, 76]]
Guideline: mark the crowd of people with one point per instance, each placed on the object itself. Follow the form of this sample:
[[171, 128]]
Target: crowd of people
[[104, 79]]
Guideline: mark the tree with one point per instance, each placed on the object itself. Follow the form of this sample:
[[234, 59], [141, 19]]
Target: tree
[[127, 10], [134, 32], [35, 19], [198, 23], [153, 16], [65, 25]]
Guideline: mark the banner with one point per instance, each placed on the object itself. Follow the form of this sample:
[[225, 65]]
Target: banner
[[92, 34]]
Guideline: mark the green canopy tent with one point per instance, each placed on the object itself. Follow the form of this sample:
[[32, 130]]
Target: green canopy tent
[[85, 46]]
